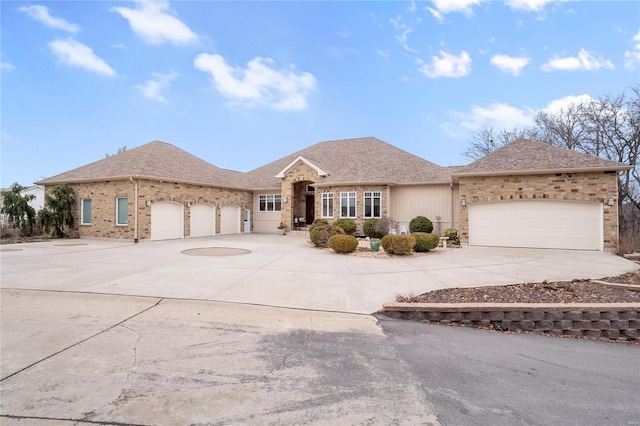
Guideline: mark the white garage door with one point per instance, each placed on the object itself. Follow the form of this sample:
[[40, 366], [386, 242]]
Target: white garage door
[[229, 220], [537, 224], [166, 221], [203, 220]]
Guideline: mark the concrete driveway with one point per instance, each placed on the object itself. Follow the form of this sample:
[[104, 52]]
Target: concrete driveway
[[282, 271], [114, 333]]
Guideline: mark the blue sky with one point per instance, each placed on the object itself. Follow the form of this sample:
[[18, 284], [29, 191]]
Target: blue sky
[[240, 84]]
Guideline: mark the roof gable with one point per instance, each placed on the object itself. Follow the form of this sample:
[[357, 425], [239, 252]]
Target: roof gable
[[300, 158], [525, 156]]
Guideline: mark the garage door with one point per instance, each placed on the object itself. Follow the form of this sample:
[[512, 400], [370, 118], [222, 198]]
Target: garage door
[[203, 220], [166, 221], [537, 224], [229, 220]]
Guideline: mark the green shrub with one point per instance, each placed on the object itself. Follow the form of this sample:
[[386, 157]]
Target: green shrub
[[453, 236], [369, 228], [420, 224], [343, 243], [318, 222], [398, 244], [321, 234], [425, 242], [347, 225]]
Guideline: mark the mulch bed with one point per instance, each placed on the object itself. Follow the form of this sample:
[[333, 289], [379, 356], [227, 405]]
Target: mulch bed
[[576, 291]]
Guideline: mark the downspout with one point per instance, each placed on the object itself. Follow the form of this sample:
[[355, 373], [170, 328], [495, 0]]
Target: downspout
[[453, 216], [135, 215]]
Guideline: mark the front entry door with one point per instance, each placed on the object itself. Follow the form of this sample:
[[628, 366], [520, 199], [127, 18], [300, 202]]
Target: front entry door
[[310, 209], [247, 221]]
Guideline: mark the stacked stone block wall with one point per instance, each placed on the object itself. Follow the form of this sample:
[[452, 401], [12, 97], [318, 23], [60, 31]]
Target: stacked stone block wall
[[103, 204], [613, 321], [599, 187]]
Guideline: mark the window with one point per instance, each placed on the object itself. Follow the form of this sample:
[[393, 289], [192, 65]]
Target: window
[[327, 204], [270, 202], [85, 213], [122, 211], [348, 204], [372, 203]]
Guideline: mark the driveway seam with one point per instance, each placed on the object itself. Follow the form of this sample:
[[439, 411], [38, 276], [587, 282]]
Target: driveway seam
[[82, 341]]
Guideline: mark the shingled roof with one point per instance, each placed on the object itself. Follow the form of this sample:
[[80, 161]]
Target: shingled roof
[[525, 156], [155, 160], [362, 160]]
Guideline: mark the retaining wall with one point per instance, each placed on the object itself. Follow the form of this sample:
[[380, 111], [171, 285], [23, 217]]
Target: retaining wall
[[609, 320]]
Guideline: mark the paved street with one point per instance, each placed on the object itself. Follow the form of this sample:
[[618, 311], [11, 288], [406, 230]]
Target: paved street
[[479, 377]]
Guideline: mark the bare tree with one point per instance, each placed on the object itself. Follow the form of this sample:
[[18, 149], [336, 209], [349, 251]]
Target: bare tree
[[486, 141]]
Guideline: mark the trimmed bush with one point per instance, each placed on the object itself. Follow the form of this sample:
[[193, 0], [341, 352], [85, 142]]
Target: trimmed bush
[[398, 244], [321, 234], [453, 236], [420, 224], [343, 243], [318, 222], [425, 242], [369, 228], [347, 225]]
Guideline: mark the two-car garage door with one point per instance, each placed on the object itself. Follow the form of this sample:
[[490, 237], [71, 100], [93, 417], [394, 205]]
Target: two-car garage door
[[537, 224]]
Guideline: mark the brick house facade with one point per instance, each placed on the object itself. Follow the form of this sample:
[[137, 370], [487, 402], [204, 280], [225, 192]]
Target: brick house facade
[[117, 196]]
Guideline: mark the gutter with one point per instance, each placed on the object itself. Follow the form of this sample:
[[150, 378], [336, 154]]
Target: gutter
[[135, 230]]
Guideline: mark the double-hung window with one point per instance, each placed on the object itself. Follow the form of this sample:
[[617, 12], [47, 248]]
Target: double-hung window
[[85, 214], [122, 211], [348, 204], [327, 204], [270, 202], [372, 204]]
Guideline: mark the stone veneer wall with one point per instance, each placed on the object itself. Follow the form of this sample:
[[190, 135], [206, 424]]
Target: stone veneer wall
[[597, 187], [103, 204], [359, 190], [300, 172]]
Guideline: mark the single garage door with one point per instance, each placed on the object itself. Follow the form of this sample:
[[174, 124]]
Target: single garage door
[[203, 220], [166, 221], [537, 224], [229, 220]]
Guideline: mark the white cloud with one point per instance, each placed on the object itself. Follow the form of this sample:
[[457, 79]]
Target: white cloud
[[499, 116], [403, 36], [41, 14], [584, 61], [156, 23], [510, 64], [76, 54], [442, 7], [412, 6], [151, 88], [557, 105], [258, 84], [6, 66], [632, 57], [384, 53], [528, 5], [447, 65]]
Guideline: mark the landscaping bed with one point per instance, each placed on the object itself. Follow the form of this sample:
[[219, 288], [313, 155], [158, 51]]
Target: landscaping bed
[[576, 291]]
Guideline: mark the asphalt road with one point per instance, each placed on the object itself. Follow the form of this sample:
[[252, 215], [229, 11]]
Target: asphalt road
[[478, 377]]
